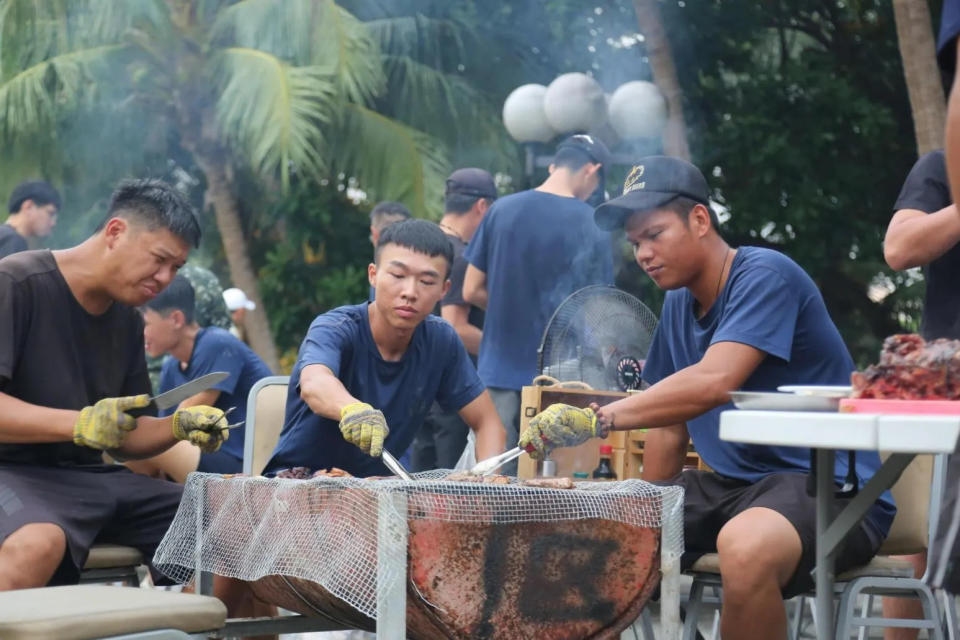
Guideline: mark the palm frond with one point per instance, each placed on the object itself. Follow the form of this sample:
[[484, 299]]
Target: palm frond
[[31, 99], [272, 111], [438, 42], [306, 33], [35, 30], [392, 160]]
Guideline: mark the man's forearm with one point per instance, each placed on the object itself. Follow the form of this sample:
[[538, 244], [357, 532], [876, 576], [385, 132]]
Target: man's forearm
[[471, 337], [25, 423], [477, 297], [674, 400], [491, 439], [915, 238], [324, 393], [151, 437]]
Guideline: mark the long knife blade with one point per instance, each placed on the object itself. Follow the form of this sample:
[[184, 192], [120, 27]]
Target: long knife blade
[[175, 396], [394, 465]]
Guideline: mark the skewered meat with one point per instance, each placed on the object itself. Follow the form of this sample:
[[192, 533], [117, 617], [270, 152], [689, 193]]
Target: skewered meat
[[305, 473], [912, 369], [466, 476], [549, 483]]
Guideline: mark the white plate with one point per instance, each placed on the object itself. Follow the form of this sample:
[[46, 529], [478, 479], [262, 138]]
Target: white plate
[[775, 401], [827, 391]]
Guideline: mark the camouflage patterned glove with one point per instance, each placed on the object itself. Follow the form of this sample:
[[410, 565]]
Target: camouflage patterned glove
[[105, 425], [365, 427], [559, 425], [202, 426]]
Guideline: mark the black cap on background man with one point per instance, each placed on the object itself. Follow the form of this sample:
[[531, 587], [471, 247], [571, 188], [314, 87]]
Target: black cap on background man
[[471, 181]]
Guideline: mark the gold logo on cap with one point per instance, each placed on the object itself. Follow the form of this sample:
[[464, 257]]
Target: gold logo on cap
[[632, 183]]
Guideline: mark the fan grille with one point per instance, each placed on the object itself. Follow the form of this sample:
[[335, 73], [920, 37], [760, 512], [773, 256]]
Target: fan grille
[[595, 336]]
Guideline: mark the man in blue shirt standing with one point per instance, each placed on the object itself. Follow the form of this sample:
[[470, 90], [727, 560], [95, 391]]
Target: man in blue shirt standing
[[367, 374], [746, 318], [532, 250], [194, 351]]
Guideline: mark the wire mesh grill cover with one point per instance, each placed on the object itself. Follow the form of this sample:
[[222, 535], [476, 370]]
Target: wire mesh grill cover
[[325, 529], [592, 332]]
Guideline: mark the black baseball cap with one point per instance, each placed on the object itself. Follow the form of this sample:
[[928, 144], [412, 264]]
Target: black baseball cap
[[652, 183], [590, 145], [472, 182]]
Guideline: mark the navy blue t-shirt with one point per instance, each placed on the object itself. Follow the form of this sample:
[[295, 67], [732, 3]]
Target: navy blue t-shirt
[[771, 304], [536, 249], [947, 38], [216, 349], [434, 367]]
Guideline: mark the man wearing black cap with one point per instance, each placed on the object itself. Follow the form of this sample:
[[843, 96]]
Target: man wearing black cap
[[531, 251], [746, 318], [33, 207], [468, 196]]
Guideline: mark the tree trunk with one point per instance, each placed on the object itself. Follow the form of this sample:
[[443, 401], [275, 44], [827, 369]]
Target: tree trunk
[[664, 76], [918, 53], [220, 197]]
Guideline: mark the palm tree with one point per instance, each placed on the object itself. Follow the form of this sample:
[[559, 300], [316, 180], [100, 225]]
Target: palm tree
[[280, 87], [917, 51]]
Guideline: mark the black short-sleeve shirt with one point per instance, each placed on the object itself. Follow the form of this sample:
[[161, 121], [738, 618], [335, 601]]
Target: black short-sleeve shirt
[[55, 354], [926, 189], [11, 241], [457, 273]]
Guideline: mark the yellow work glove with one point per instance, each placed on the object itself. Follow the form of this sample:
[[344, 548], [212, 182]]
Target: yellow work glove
[[203, 426], [106, 424], [364, 426], [559, 425]]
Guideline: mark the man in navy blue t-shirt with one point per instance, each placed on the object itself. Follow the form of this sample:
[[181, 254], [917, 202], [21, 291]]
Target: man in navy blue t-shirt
[[367, 374], [194, 351], [746, 318], [532, 250]]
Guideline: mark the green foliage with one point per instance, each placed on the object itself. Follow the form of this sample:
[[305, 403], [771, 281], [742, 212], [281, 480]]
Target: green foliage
[[315, 261]]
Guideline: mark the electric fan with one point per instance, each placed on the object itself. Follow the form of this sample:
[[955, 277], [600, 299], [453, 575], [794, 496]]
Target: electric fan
[[599, 335]]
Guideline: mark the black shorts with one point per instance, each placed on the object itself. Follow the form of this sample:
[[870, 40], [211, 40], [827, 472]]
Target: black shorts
[[711, 500], [99, 504]]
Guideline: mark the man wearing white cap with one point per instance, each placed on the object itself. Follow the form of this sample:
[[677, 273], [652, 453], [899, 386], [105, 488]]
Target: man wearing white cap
[[238, 304]]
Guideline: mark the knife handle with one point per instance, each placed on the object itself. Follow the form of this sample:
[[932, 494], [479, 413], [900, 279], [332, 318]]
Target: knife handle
[[149, 410]]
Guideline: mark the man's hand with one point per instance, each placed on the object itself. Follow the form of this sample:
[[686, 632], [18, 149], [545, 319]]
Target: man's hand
[[364, 426], [106, 424], [204, 427], [559, 425]]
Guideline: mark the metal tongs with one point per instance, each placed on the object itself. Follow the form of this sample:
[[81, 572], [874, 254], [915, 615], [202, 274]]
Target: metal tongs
[[488, 466], [394, 465]]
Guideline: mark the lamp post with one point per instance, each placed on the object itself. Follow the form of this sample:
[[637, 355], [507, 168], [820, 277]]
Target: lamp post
[[575, 103]]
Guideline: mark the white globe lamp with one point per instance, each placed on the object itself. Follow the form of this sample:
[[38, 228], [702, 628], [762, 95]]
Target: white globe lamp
[[524, 117], [638, 110], [574, 102]]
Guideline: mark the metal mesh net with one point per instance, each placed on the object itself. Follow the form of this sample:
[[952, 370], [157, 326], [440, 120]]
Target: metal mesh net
[[325, 529]]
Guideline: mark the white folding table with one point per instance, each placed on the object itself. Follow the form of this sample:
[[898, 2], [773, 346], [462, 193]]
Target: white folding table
[[903, 436]]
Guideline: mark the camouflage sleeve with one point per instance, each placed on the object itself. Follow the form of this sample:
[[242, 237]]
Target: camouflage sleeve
[[211, 310]]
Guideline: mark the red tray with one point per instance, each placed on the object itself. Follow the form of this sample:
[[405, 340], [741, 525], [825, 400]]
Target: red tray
[[936, 407]]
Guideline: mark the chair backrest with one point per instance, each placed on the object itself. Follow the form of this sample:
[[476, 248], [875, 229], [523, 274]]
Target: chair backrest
[[917, 494], [265, 410]]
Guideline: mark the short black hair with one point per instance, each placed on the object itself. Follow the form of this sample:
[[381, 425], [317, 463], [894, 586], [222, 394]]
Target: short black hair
[[155, 204], [41, 193], [682, 206], [460, 203], [572, 158], [421, 236], [389, 209], [178, 295]]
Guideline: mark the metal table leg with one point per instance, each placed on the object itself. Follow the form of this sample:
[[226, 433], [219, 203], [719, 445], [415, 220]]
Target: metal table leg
[[824, 555], [392, 567]]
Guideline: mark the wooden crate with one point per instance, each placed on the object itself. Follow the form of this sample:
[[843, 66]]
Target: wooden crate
[[627, 459]]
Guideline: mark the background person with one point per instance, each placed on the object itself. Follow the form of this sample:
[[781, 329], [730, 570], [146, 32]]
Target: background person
[[238, 304], [532, 250], [33, 208]]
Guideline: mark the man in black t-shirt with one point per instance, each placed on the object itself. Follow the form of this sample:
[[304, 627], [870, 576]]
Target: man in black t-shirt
[[33, 208], [72, 369], [469, 193], [925, 232]]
